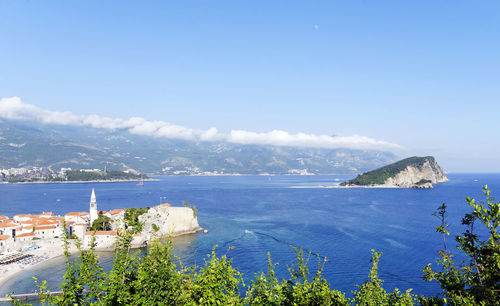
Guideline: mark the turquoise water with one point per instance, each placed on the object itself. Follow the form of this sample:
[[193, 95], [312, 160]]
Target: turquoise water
[[257, 215]]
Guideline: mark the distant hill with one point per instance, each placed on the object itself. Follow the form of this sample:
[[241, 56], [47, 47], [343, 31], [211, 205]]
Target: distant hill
[[412, 172], [24, 144]]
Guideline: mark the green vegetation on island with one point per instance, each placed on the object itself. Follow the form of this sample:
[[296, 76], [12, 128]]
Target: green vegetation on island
[[102, 223], [81, 175], [132, 218], [379, 176], [159, 278]]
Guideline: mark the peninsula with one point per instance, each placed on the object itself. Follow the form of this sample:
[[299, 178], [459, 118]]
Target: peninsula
[[412, 172], [26, 240]]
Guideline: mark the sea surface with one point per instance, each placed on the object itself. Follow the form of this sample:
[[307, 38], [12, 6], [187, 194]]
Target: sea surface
[[261, 214]]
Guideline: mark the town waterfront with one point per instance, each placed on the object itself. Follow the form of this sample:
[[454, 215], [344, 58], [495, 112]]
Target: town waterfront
[[257, 214]]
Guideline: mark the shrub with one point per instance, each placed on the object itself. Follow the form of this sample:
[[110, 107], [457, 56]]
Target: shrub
[[476, 280]]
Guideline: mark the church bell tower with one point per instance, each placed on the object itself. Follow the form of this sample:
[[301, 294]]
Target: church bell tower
[[93, 207]]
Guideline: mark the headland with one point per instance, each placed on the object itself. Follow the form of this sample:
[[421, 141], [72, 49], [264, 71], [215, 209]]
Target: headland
[[27, 240], [412, 172]]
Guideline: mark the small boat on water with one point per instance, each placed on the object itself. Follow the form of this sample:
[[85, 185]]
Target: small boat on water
[[141, 183]]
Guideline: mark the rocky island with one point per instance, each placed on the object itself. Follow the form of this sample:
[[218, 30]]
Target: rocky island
[[412, 172]]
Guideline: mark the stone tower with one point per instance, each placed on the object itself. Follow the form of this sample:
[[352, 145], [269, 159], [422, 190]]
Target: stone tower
[[93, 207]]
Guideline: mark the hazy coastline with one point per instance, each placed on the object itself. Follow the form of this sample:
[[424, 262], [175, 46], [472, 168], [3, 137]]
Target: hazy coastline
[[91, 181]]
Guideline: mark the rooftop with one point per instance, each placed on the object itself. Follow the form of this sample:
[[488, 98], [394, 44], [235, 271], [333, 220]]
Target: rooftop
[[77, 214]]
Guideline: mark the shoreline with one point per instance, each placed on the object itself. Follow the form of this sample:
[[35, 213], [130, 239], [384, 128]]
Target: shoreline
[[78, 182], [167, 175], [7, 272]]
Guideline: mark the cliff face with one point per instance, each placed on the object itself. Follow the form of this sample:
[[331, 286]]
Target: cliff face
[[169, 221], [421, 176]]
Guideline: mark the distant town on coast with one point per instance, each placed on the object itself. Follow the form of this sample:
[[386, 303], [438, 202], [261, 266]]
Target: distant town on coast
[[47, 175]]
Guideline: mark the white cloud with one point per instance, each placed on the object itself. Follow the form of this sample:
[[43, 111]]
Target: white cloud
[[14, 108], [283, 138]]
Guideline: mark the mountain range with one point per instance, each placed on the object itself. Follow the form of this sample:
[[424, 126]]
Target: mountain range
[[28, 144]]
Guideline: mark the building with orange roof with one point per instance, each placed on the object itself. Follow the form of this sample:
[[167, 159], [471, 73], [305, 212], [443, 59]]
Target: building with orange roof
[[41, 222], [162, 205], [115, 215], [3, 241], [82, 213], [31, 234], [28, 227], [117, 211], [6, 223], [51, 231], [23, 217], [77, 217], [44, 229], [26, 237], [8, 228]]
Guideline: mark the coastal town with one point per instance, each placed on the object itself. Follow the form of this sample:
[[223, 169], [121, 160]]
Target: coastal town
[[32, 173], [47, 174], [27, 239]]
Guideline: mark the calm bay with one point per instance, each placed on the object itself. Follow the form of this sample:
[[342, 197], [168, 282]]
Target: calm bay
[[260, 214]]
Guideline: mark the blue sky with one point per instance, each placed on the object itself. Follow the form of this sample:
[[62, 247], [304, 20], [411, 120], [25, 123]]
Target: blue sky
[[421, 74]]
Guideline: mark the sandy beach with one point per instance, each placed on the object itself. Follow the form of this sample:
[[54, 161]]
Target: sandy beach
[[40, 256]]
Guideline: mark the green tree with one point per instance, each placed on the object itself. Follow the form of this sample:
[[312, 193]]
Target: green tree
[[476, 280], [372, 293], [299, 289], [102, 223], [132, 218]]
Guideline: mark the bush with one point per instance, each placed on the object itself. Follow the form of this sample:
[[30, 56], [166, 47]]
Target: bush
[[132, 217], [476, 280]]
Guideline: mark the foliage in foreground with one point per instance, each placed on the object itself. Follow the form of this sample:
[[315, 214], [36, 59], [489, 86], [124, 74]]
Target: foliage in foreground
[[160, 278], [475, 281]]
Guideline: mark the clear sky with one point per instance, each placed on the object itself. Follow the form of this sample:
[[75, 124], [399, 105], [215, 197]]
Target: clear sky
[[421, 74]]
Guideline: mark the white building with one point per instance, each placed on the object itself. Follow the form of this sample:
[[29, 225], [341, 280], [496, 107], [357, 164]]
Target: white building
[[93, 208]]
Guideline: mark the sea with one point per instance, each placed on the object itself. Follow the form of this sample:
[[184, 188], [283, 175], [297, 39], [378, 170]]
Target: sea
[[248, 217]]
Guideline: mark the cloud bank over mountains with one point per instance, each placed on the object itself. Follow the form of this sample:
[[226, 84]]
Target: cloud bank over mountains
[[14, 108]]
